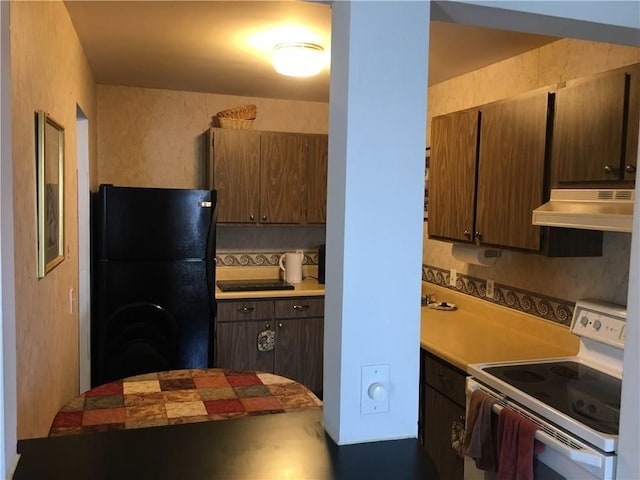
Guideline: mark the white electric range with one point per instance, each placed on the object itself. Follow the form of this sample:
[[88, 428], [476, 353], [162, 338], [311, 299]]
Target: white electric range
[[574, 400]]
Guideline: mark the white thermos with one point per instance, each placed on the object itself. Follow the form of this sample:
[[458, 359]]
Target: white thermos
[[291, 265]]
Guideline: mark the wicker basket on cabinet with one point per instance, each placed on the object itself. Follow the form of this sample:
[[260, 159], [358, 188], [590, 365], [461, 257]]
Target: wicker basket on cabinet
[[237, 117]]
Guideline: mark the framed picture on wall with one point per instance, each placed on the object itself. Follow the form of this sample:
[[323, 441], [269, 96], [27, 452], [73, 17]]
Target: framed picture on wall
[[426, 182], [50, 192]]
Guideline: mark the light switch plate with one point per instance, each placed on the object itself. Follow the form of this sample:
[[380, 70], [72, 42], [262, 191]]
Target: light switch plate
[[374, 389]]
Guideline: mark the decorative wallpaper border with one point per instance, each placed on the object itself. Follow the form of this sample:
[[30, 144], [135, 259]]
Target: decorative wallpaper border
[[259, 259], [553, 309]]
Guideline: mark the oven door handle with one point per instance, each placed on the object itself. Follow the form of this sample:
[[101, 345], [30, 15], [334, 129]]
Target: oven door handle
[[579, 453], [574, 454]]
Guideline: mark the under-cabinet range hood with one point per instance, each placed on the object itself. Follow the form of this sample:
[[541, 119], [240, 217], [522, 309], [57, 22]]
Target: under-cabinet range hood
[[608, 210]]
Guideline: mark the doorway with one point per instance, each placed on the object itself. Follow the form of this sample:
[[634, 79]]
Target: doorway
[[84, 239]]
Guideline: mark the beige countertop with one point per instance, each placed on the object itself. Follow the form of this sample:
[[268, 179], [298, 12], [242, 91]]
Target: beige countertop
[[309, 287], [479, 331], [476, 332]]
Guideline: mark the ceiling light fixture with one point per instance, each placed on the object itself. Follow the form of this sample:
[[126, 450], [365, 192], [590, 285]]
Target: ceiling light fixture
[[298, 59]]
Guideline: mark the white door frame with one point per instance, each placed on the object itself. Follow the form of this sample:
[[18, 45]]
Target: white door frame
[[84, 251]]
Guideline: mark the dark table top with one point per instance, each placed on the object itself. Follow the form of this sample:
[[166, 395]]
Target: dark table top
[[284, 446]]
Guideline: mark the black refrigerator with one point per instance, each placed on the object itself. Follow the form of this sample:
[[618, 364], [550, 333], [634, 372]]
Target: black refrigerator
[[153, 278]]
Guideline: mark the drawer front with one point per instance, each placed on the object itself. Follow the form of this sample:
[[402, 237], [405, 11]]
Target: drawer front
[[447, 380], [245, 310], [300, 307]]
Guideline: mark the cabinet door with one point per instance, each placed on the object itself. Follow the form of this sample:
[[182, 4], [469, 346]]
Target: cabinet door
[[316, 178], [236, 346], [439, 415], [452, 172], [587, 130], [511, 171], [234, 169], [299, 351], [631, 148], [281, 179]]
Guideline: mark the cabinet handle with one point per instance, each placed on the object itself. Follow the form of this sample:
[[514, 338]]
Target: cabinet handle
[[280, 325], [252, 217], [264, 217], [609, 169], [301, 307], [267, 326], [467, 234], [478, 235], [245, 309], [630, 169]]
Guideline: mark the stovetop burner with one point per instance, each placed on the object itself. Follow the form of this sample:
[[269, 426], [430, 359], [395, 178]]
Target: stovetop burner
[[579, 394], [577, 390], [522, 375]]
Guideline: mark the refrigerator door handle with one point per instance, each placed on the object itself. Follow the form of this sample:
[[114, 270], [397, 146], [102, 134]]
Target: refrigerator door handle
[[205, 204]]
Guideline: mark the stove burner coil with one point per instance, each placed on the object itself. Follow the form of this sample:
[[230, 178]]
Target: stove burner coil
[[521, 375]]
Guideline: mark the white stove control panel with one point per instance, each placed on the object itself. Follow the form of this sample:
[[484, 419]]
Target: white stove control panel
[[600, 321]]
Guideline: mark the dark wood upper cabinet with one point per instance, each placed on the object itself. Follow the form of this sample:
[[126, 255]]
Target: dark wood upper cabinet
[[633, 124], [317, 156], [452, 175], [281, 178], [268, 177], [235, 173], [486, 173], [595, 130], [511, 171]]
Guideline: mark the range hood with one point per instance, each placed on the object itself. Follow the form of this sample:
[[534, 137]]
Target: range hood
[[608, 210]]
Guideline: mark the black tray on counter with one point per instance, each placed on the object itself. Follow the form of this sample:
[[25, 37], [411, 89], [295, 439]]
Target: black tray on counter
[[253, 285]]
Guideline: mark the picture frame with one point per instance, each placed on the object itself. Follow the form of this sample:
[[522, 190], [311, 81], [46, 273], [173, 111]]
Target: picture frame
[[50, 192], [427, 157]]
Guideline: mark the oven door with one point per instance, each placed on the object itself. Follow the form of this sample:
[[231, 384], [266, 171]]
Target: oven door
[[564, 457]]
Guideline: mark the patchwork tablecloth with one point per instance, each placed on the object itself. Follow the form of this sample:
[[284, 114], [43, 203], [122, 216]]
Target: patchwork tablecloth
[[180, 396]]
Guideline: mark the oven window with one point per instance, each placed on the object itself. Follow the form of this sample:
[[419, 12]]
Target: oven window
[[585, 394], [543, 472]]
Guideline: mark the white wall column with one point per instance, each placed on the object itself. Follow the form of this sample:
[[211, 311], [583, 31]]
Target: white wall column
[[377, 130]]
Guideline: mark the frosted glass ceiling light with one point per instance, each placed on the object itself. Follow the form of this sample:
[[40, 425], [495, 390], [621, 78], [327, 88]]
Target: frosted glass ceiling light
[[298, 59]]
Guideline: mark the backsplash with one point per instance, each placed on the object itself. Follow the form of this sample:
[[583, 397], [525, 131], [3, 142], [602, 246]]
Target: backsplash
[[553, 309], [259, 259], [268, 238]]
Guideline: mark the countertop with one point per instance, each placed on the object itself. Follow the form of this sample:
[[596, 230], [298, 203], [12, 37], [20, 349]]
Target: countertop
[[479, 331], [309, 287]]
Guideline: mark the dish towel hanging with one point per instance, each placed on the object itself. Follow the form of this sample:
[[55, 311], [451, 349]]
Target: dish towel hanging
[[478, 440], [516, 446]]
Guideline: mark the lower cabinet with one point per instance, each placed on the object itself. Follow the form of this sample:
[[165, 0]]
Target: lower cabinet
[[442, 406], [281, 336]]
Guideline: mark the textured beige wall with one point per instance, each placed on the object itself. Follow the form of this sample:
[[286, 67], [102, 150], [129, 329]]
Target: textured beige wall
[[566, 278], [553, 63], [48, 72], [154, 138]]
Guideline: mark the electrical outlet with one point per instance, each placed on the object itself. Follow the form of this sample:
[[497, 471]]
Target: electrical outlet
[[374, 389], [489, 290], [453, 277]]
